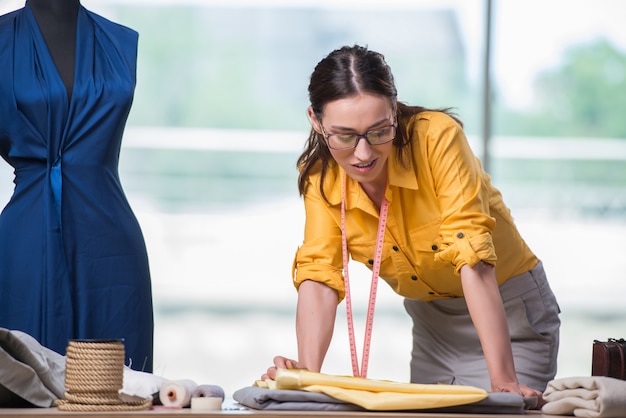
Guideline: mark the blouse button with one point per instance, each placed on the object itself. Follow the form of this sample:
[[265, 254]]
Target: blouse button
[[434, 247], [371, 262], [395, 248], [414, 278], [460, 235]]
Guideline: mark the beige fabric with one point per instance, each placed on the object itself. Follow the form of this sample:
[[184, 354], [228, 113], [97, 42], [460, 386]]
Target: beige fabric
[[593, 397], [377, 395]]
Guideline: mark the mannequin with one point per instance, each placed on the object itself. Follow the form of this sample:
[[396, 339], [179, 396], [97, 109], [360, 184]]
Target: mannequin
[[73, 260], [57, 22]]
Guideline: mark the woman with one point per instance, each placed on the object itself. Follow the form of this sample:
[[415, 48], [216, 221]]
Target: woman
[[398, 188]]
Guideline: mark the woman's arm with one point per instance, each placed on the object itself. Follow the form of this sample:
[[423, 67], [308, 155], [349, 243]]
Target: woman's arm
[[487, 311], [315, 322]]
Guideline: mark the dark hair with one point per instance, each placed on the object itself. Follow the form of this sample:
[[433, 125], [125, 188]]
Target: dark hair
[[346, 72]]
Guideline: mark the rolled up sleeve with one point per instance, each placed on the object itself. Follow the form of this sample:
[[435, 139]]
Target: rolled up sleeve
[[468, 249], [457, 177], [319, 258]]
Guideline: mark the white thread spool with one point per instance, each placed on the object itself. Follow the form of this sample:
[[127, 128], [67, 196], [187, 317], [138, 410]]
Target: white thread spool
[[206, 404], [207, 398], [177, 393]]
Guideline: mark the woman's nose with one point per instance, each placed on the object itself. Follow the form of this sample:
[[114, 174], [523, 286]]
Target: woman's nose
[[363, 150]]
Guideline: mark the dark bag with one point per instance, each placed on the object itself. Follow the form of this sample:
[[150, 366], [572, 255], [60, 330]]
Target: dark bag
[[608, 358]]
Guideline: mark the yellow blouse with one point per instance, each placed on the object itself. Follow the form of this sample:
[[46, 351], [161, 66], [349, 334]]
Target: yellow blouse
[[443, 213]]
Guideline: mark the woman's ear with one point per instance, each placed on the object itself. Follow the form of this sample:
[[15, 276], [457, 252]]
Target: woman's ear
[[315, 123]]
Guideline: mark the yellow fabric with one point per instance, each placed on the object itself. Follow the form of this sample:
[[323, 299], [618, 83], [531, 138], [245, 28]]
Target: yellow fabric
[[376, 395], [444, 213]]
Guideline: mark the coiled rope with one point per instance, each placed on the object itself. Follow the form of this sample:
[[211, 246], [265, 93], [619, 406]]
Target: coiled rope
[[94, 375]]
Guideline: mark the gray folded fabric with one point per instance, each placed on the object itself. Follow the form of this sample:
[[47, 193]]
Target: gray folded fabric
[[294, 400], [29, 372], [494, 403], [589, 396], [299, 400]]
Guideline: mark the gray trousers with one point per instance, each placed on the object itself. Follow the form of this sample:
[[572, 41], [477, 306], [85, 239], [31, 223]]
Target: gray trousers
[[446, 348]]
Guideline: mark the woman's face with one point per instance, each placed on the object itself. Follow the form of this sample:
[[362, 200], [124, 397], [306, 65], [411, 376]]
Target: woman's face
[[358, 115]]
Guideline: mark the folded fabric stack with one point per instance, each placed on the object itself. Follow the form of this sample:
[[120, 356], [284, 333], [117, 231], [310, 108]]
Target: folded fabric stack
[[304, 390], [594, 396]]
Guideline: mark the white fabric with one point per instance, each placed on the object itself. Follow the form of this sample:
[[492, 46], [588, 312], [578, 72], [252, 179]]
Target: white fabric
[[589, 397], [140, 385]]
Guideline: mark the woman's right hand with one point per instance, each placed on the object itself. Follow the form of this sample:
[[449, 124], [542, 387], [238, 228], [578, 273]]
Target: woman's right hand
[[315, 319], [282, 363]]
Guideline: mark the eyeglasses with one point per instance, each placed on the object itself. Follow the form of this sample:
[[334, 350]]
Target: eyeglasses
[[348, 141]]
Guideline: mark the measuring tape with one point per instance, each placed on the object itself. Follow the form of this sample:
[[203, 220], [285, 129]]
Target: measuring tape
[[378, 255]]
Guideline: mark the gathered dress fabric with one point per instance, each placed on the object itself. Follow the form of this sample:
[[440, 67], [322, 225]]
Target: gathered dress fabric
[[73, 261]]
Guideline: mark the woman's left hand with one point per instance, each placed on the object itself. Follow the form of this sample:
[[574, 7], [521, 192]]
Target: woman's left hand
[[520, 389]]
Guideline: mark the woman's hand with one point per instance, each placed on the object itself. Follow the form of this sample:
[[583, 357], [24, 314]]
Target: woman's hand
[[520, 389], [315, 320], [281, 362]]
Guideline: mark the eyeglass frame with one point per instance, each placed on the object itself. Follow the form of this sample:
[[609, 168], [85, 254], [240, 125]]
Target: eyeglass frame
[[358, 136]]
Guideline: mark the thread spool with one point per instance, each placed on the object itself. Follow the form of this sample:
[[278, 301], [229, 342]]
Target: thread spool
[[177, 393], [208, 391], [94, 375], [206, 403], [207, 398]]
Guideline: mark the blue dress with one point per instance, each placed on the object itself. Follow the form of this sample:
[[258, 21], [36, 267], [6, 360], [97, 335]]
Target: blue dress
[[73, 261]]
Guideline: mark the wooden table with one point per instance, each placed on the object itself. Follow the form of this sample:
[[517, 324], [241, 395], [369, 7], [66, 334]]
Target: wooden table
[[239, 413]]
